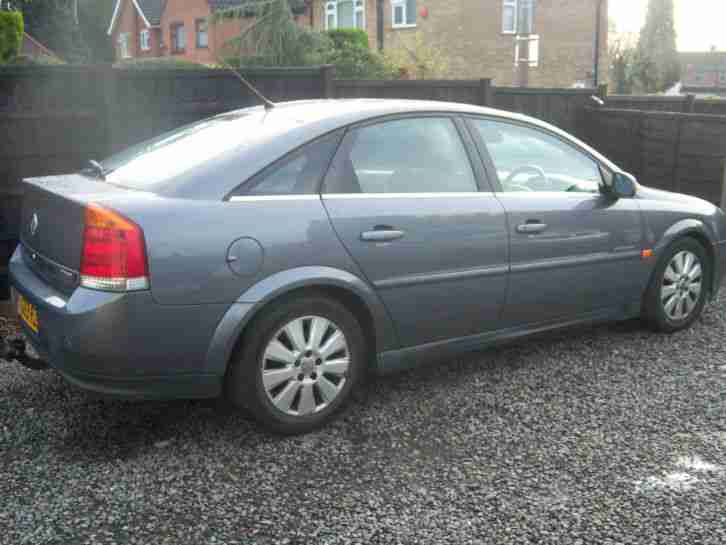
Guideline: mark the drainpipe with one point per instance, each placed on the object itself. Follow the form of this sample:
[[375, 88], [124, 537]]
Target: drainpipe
[[598, 32]]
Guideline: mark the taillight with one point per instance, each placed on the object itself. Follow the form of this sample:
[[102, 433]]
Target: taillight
[[114, 253]]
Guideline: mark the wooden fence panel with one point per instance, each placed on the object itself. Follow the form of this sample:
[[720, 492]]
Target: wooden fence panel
[[671, 151], [465, 91], [679, 103], [561, 107]]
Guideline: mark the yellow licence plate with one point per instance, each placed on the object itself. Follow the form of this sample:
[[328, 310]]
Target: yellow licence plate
[[28, 313]]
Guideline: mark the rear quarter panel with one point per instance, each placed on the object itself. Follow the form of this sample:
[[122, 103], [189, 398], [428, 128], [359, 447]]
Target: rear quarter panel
[[188, 242]]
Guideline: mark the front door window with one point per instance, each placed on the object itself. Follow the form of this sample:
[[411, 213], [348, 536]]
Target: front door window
[[529, 160]]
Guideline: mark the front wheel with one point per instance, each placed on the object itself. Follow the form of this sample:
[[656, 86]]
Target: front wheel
[[299, 363], [678, 290]]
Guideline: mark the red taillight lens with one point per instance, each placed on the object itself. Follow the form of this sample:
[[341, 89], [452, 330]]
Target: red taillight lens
[[114, 253]]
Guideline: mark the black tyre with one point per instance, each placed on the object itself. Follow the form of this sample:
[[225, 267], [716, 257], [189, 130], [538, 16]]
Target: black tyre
[[298, 364], [679, 287]]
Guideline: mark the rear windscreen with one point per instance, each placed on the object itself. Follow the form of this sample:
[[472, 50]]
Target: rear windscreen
[[153, 163]]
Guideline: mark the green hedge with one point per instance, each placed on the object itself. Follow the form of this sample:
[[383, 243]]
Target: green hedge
[[11, 35], [354, 37], [153, 63]]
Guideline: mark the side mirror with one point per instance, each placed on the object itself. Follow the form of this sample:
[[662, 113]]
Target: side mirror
[[623, 186]]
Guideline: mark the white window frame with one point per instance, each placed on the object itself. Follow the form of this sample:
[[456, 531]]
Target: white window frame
[[123, 45], [331, 13], [533, 59], [507, 5], [198, 33], [515, 6], [178, 35], [145, 40], [403, 5]]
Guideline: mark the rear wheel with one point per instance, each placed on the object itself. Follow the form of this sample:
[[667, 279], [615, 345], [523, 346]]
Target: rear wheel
[[299, 362], [678, 290]]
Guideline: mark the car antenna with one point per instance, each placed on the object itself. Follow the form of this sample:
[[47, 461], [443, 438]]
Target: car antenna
[[269, 105]]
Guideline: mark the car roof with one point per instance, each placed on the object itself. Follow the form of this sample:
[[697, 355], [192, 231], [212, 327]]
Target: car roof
[[290, 125]]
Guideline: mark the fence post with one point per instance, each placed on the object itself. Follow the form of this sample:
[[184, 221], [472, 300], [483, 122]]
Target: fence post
[[602, 92], [723, 186], [486, 97], [689, 104], [677, 156], [327, 79]]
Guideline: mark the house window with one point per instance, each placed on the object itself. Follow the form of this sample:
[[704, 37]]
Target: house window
[[178, 38], [345, 14], [202, 34], [123, 45], [145, 40], [532, 56], [404, 13], [518, 16]]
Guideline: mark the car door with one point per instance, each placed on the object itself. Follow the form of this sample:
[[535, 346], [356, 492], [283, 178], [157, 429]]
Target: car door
[[404, 197], [574, 250]]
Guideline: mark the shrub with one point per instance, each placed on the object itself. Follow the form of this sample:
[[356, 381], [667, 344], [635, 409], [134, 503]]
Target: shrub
[[11, 35], [348, 36], [348, 50], [40, 60], [415, 57], [154, 63]]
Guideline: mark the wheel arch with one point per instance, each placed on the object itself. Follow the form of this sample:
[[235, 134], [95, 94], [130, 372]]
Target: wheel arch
[[688, 228], [346, 288]]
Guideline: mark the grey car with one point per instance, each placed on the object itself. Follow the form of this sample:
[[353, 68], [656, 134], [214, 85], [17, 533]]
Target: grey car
[[279, 257]]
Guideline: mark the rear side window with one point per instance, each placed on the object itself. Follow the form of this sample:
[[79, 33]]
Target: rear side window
[[298, 174], [412, 155]]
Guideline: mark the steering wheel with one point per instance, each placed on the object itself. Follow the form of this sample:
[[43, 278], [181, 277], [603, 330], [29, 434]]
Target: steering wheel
[[528, 169]]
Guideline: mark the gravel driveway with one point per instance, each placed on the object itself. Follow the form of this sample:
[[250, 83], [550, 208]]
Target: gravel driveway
[[607, 435]]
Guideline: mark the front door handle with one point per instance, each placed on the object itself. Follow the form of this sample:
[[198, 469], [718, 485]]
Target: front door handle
[[381, 233], [532, 228]]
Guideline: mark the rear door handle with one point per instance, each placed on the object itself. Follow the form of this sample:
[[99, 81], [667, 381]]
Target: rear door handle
[[381, 233], [531, 228]]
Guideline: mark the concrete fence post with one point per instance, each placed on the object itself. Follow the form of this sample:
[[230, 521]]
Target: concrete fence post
[[602, 92], [327, 79], [486, 95], [689, 104]]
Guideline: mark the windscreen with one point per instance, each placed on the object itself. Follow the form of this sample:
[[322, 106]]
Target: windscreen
[[153, 163]]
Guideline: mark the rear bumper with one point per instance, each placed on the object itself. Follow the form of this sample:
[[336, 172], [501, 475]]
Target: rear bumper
[[122, 345]]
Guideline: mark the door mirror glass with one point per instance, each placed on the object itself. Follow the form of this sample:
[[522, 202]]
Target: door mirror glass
[[624, 185]]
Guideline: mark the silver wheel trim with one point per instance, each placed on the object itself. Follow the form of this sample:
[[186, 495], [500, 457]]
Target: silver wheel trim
[[682, 285], [305, 365]]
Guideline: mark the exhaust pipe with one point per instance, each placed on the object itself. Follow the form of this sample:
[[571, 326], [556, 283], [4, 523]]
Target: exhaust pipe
[[15, 349]]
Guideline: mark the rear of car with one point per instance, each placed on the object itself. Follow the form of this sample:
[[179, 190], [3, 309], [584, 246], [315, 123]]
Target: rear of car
[[128, 274], [81, 286]]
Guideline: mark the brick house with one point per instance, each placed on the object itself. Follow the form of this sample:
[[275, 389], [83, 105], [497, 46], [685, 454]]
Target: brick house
[[479, 38], [160, 28]]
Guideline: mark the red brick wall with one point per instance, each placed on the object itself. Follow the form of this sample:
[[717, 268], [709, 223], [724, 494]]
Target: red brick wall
[[131, 22], [188, 12]]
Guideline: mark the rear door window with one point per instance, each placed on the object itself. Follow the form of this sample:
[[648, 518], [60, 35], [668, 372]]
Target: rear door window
[[411, 155]]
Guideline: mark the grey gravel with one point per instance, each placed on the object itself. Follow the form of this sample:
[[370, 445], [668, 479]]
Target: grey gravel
[[606, 435]]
